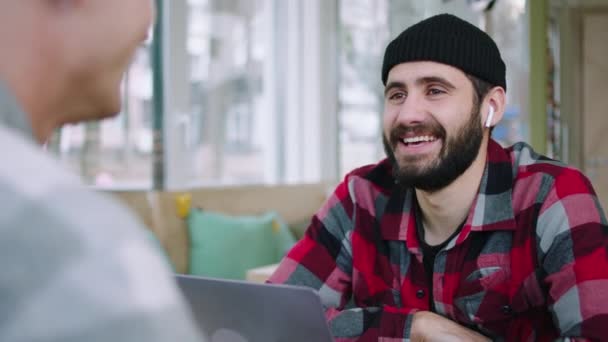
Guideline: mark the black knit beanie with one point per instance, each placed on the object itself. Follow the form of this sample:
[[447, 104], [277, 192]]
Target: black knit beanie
[[448, 40]]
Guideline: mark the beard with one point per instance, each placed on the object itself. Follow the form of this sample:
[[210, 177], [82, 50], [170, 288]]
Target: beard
[[455, 157]]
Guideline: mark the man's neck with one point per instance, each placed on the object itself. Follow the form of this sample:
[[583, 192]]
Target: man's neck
[[40, 111], [37, 86], [443, 211]]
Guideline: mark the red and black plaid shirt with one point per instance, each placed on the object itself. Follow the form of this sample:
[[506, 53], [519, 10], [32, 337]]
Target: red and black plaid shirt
[[530, 262]]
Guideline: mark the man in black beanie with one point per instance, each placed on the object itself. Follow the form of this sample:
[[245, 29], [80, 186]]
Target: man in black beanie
[[453, 237]]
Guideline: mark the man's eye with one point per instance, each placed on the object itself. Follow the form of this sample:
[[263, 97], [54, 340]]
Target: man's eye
[[396, 96], [436, 91]]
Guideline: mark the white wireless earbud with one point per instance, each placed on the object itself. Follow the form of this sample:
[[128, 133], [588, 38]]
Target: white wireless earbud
[[490, 116]]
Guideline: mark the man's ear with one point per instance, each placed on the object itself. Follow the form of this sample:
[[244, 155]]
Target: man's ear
[[493, 107]]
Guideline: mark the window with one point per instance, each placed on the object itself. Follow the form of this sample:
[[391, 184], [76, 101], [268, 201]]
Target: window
[[243, 100], [507, 23], [364, 36], [218, 123], [269, 91], [244, 95]]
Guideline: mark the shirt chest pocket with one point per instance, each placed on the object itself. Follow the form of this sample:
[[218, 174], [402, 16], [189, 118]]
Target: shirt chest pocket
[[483, 295]]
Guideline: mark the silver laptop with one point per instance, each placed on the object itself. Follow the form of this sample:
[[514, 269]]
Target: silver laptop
[[239, 311]]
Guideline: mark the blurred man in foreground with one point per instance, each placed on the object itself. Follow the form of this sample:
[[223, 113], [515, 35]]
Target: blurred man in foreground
[[75, 265]]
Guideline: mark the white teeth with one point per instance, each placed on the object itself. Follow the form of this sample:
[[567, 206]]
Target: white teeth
[[419, 139]]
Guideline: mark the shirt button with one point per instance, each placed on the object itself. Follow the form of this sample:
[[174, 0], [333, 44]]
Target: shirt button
[[506, 309], [420, 294]]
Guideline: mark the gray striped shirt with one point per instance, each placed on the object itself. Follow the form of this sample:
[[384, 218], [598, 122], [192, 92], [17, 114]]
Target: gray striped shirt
[[74, 265]]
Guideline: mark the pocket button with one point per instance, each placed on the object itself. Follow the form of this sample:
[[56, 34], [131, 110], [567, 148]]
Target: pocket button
[[420, 294]]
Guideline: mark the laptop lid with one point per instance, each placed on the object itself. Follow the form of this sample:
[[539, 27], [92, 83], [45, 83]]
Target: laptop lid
[[239, 311]]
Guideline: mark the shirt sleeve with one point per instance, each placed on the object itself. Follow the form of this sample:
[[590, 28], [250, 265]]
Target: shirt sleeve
[[322, 260], [78, 267], [572, 240]]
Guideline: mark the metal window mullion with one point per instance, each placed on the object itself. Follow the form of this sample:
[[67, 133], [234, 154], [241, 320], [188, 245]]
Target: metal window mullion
[[158, 167]]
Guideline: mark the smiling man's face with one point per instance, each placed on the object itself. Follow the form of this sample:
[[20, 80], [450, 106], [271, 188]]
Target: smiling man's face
[[432, 125]]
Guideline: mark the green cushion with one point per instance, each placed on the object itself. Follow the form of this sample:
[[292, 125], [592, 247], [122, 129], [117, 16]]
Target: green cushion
[[226, 246]]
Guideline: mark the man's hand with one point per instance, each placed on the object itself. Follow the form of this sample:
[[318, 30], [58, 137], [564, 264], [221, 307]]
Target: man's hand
[[428, 326]]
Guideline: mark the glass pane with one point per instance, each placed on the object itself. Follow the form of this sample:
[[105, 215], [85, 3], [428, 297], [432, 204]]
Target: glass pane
[[227, 43], [364, 35], [507, 23]]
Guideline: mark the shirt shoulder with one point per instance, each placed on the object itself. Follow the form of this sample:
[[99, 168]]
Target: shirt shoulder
[[524, 157], [528, 163], [27, 168], [76, 255], [379, 175], [367, 188], [540, 179], [37, 191]]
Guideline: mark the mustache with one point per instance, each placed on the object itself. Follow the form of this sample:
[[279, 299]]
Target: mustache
[[434, 129]]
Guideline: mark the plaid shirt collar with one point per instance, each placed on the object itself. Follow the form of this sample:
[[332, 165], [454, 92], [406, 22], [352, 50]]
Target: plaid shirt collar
[[492, 208]]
